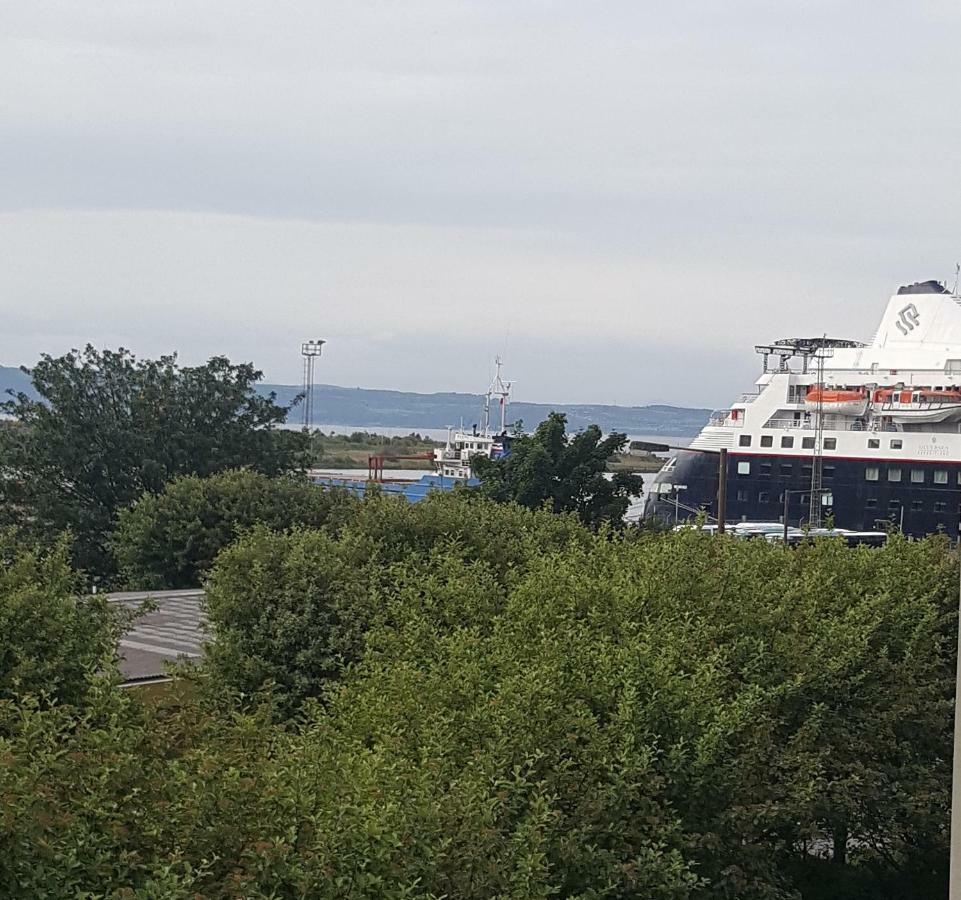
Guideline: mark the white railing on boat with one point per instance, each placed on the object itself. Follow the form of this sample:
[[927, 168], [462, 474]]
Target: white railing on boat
[[831, 423], [721, 417]]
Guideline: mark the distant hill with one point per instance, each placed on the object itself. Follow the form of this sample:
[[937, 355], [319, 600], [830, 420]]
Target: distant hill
[[368, 408], [13, 379]]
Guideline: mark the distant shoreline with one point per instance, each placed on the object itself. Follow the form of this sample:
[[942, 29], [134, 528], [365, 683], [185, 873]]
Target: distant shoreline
[[400, 412]]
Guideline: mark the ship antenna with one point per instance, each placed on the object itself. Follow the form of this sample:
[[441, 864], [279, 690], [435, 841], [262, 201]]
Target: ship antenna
[[957, 274]]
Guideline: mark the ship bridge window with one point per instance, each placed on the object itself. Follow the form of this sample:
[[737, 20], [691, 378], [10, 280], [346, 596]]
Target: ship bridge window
[[871, 502], [874, 444], [917, 476], [871, 473], [940, 476], [917, 505], [744, 440], [894, 474], [787, 440], [828, 472], [830, 443], [743, 496], [744, 468], [766, 468], [807, 443], [763, 497], [787, 468], [896, 443], [940, 506], [767, 440]]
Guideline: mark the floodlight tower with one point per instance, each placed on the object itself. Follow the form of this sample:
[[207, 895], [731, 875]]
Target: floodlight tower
[[309, 350]]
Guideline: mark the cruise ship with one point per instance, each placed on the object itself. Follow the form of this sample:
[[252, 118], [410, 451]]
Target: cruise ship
[[864, 435]]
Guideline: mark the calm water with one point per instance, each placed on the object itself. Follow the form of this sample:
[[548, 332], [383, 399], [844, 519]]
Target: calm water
[[440, 434]]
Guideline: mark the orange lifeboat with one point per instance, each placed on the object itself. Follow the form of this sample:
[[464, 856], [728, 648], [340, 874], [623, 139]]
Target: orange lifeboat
[[816, 394], [849, 402]]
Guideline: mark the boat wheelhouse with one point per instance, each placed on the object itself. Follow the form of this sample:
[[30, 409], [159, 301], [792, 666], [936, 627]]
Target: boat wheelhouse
[[864, 433]]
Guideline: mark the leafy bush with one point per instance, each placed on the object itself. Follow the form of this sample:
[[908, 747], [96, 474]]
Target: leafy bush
[[54, 640], [170, 539]]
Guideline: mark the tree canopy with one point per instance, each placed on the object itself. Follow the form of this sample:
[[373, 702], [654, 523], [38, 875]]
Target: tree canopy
[[171, 538], [106, 427], [565, 472]]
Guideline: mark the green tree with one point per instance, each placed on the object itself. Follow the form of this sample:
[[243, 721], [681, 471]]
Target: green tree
[[106, 427], [170, 539], [567, 473], [54, 640]]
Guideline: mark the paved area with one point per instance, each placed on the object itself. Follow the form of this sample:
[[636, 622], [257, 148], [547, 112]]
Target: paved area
[[174, 630]]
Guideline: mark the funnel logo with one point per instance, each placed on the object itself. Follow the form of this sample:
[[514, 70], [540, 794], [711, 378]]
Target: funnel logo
[[907, 318]]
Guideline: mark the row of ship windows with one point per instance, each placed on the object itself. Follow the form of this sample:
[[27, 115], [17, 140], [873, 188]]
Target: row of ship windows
[[807, 443], [766, 468], [871, 473], [939, 506]]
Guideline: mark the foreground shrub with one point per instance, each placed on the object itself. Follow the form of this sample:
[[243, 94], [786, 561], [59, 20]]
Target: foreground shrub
[[53, 640], [170, 539], [291, 610], [544, 712]]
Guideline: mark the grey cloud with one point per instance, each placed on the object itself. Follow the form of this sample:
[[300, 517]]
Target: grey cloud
[[696, 175]]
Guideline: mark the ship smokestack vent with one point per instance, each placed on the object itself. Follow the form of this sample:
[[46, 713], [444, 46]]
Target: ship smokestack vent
[[924, 287]]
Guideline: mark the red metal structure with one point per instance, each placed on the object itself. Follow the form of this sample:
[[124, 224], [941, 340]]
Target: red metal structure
[[375, 464]]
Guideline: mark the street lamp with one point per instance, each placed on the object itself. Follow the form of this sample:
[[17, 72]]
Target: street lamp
[[673, 490], [825, 492], [721, 455], [677, 494]]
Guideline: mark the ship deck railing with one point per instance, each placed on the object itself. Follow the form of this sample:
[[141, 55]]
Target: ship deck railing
[[831, 423], [721, 418]]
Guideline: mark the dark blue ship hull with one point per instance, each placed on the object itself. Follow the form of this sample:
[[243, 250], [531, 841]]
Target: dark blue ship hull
[[926, 499]]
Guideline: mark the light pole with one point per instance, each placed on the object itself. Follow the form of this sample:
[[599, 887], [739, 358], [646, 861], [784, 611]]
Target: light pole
[[824, 491], [677, 494], [309, 350], [721, 455]]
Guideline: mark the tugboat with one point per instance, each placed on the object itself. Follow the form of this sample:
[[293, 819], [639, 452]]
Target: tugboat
[[868, 434], [453, 460]]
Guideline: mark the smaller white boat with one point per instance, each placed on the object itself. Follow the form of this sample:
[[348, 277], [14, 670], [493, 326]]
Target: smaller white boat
[[453, 460]]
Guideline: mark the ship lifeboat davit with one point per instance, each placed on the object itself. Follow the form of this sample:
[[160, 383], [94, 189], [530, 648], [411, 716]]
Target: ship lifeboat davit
[[841, 402]]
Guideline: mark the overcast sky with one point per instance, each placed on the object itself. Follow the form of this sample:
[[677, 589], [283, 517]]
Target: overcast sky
[[621, 198]]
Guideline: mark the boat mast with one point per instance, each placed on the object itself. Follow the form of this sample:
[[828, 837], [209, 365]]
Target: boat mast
[[498, 388]]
